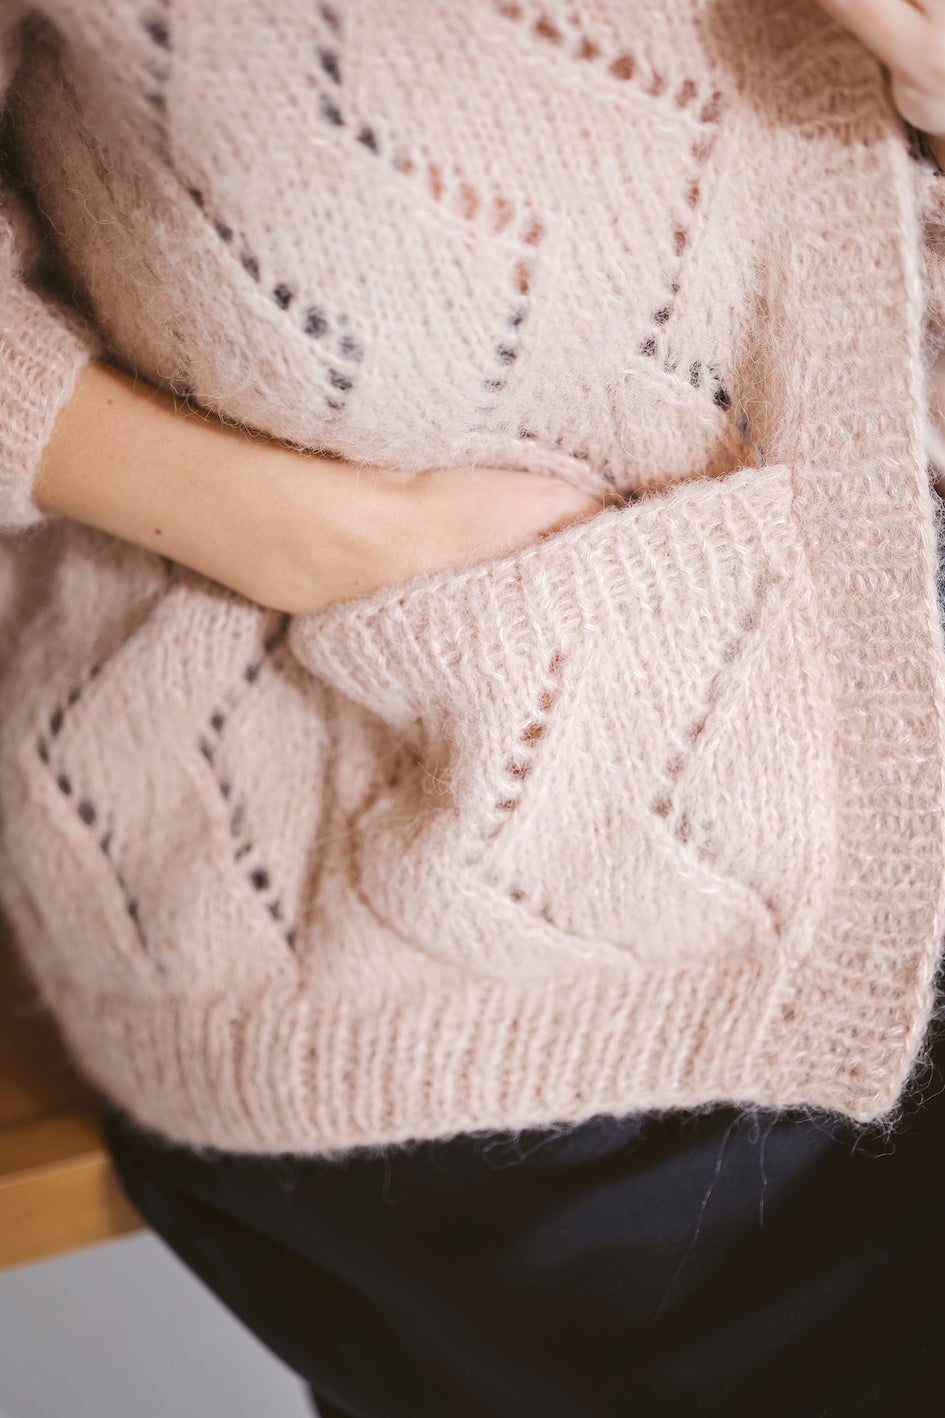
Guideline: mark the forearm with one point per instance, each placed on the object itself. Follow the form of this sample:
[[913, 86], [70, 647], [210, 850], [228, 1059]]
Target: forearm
[[130, 460]]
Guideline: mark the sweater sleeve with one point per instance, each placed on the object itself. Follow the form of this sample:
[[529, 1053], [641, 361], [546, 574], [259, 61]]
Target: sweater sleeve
[[43, 344]]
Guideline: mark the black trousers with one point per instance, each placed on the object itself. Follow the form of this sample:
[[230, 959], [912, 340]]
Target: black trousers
[[675, 1266]]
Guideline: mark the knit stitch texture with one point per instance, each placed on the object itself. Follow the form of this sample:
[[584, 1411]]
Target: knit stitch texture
[[649, 814]]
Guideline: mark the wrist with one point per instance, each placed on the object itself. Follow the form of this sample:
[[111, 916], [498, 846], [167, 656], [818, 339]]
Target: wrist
[[328, 532]]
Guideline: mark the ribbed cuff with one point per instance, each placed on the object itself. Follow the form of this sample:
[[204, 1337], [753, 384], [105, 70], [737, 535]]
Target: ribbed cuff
[[283, 1073], [42, 351]]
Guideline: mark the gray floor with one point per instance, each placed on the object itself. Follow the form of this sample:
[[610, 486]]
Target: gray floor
[[124, 1331]]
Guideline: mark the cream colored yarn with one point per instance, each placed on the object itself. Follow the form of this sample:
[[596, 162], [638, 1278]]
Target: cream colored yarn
[[646, 815]]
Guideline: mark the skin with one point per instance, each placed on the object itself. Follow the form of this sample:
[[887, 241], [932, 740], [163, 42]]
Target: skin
[[908, 38], [297, 531], [288, 530]]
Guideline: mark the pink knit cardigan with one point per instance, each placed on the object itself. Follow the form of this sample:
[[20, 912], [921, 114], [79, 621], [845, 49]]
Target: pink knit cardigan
[[648, 815]]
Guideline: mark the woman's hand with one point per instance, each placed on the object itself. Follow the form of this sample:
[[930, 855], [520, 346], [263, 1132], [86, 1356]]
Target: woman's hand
[[288, 530], [385, 530], [908, 37]]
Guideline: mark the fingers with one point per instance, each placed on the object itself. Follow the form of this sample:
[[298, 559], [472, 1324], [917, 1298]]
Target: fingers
[[908, 38], [893, 30]]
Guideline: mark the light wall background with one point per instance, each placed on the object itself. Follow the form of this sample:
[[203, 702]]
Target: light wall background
[[123, 1330]]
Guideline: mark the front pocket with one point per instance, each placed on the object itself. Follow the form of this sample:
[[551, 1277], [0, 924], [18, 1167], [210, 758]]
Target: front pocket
[[609, 737]]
